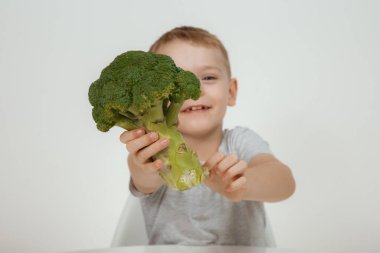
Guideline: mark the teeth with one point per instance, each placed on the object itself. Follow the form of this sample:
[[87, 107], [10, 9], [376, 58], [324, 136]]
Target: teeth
[[196, 108]]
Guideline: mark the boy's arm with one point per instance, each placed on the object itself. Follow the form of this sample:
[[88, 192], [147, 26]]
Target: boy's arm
[[268, 180], [264, 178], [142, 147]]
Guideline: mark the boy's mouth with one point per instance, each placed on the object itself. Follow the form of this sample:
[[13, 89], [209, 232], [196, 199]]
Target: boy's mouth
[[195, 108]]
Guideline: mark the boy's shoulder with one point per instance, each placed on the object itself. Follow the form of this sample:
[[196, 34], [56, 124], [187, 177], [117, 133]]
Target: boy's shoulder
[[244, 142], [239, 131]]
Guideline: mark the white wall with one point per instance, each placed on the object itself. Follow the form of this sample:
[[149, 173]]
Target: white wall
[[309, 84]]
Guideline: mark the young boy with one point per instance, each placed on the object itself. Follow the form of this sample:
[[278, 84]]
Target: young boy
[[228, 209]]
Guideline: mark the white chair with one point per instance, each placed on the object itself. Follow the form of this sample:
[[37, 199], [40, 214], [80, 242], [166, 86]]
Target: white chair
[[269, 233], [131, 227]]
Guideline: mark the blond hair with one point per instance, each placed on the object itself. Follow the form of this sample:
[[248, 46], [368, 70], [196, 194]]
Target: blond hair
[[197, 36]]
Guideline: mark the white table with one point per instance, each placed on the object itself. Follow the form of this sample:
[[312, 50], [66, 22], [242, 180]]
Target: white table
[[189, 249]]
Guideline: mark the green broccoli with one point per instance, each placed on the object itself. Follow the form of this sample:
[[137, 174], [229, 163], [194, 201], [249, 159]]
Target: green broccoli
[[143, 89]]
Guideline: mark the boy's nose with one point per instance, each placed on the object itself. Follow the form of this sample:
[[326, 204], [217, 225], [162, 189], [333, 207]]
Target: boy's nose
[[202, 90]]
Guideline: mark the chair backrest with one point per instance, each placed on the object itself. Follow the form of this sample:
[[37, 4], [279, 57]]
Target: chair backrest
[[131, 227], [271, 242]]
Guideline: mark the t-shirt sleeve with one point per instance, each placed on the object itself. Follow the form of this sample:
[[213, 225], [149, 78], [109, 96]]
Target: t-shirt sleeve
[[247, 144]]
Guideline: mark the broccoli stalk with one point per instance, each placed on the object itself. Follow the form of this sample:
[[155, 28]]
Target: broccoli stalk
[[143, 89]]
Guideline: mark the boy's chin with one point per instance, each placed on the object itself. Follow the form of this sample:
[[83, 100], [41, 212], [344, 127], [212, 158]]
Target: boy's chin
[[195, 129]]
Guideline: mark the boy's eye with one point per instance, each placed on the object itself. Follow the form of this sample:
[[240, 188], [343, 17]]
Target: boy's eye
[[207, 78]]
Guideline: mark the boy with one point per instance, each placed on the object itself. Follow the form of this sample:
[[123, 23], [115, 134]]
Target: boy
[[228, 208]]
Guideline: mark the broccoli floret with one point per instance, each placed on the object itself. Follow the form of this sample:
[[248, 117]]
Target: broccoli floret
[[143, 89]]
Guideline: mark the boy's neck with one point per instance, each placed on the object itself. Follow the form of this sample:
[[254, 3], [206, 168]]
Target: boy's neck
[[205, 146]]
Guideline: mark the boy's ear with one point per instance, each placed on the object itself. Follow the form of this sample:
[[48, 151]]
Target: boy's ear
[[232, 92]]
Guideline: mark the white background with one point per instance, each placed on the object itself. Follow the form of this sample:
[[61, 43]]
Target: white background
[[309, 84]]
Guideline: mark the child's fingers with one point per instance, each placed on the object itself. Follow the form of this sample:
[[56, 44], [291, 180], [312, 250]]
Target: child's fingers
[[155, 166], [135, 145], [237, 184], [227, 163], [146, 153], [213, 161], [235, 170], [127, 136]]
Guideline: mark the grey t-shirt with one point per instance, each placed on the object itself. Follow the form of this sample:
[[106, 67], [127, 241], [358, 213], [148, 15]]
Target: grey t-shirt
[[200, 216]]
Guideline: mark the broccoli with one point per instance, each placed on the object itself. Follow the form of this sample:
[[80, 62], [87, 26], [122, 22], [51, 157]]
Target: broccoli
[[142, 89]]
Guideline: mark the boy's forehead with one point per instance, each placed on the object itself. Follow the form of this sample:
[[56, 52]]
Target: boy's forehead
[[190, 55]]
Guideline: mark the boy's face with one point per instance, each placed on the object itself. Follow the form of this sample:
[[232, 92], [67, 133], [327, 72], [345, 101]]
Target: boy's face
[[200, 117]]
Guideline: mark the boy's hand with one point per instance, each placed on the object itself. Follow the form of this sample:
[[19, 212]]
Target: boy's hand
[[141, 147], [227, 175]]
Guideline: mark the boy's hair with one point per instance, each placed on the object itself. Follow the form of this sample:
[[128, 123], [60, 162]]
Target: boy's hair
[[197, 36]]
